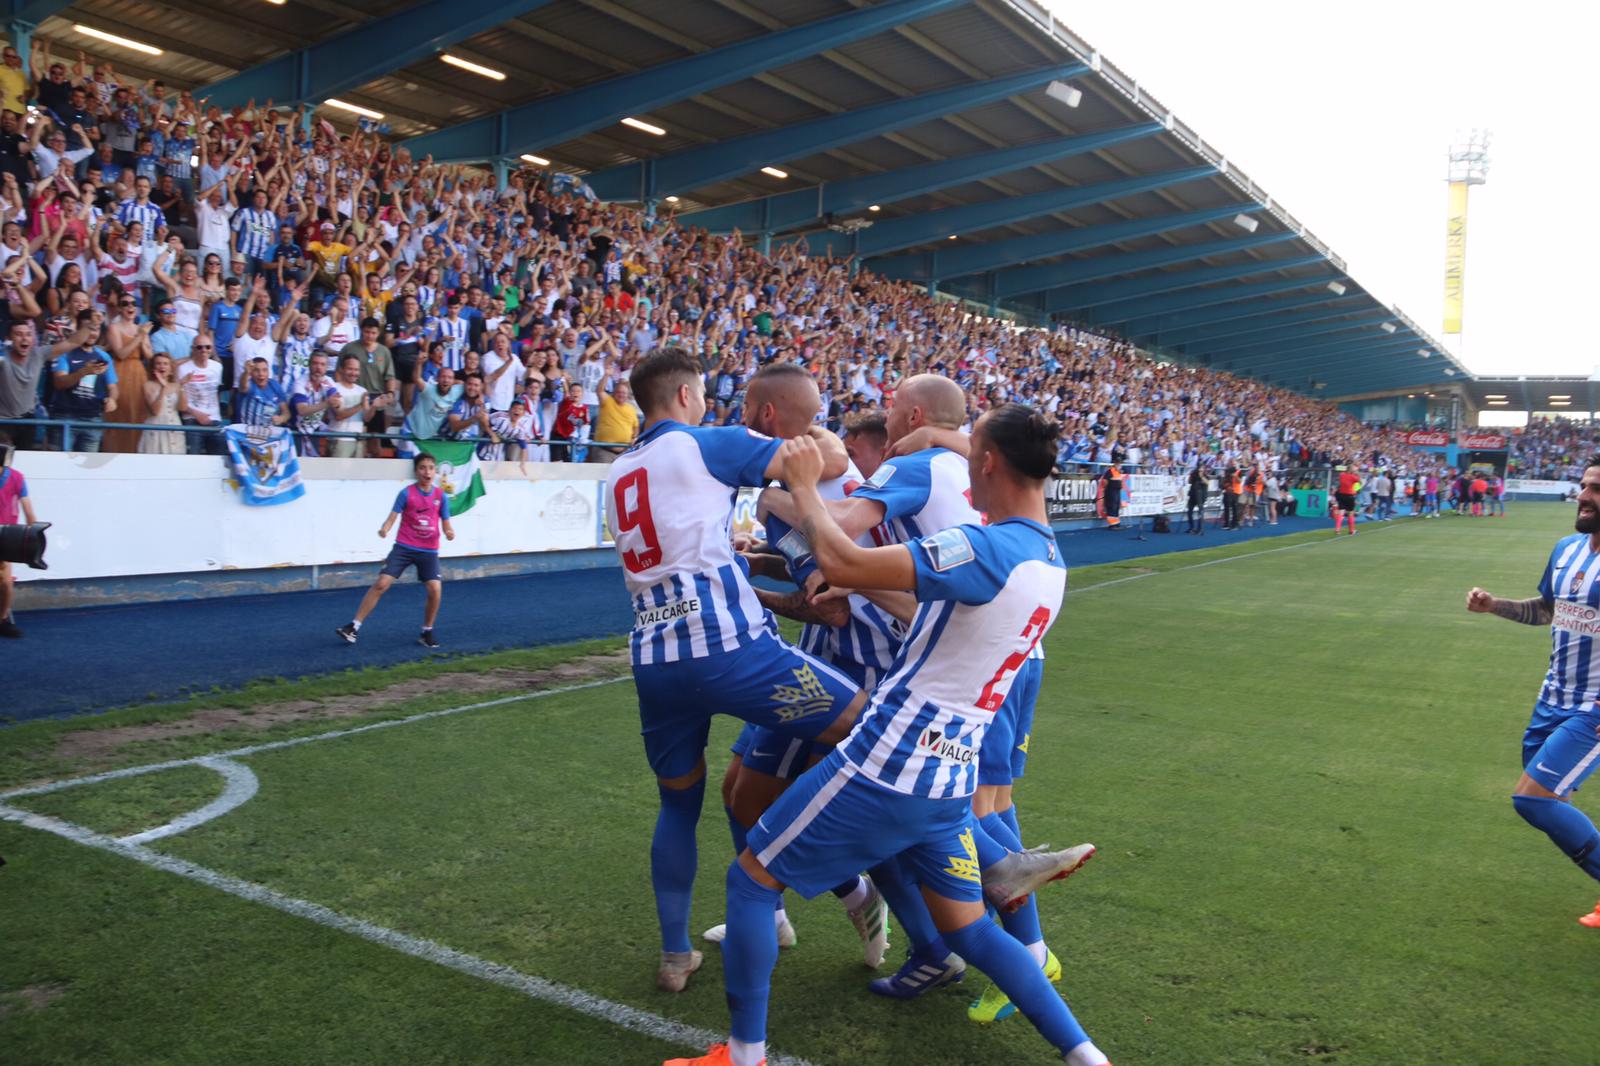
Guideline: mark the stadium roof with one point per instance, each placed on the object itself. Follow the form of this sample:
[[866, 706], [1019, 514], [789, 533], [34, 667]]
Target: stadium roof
[[936, 138], [1579, 396]]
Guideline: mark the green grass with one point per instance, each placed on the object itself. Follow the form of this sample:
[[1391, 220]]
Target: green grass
[[1296, 766]]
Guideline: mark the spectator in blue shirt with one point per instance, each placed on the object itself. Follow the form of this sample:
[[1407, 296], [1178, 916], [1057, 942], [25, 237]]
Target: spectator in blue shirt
[[223, 321], [86, 391], [263, 402], [147, 164]]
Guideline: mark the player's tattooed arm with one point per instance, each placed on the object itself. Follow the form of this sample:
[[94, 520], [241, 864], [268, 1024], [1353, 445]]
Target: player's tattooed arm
[[1532, 612], [795, 604]]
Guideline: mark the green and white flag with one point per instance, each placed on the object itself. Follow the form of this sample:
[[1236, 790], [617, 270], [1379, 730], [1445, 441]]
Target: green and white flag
[[458, 471]]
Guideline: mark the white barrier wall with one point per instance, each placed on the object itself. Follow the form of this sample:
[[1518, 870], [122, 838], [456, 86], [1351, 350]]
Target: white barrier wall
[[121, 515]]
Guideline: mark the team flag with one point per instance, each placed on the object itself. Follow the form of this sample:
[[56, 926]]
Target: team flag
[[264, 464], [458, 471]]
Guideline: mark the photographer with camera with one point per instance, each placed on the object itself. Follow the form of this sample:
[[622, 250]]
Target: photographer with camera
[[13, 496]]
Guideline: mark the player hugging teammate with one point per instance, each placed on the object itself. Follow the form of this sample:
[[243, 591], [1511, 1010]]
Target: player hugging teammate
[[884, 784]]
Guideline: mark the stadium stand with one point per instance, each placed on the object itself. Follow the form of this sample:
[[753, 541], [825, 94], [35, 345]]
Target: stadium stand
[[329, 228]]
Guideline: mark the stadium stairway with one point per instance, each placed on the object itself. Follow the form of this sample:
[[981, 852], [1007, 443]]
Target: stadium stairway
[[77, 661]]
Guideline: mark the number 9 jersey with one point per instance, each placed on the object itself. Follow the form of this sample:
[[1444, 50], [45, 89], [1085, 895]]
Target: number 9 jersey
[[672, 498]]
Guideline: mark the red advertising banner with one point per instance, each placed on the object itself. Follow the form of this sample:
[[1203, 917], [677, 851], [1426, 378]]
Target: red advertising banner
[[1428, 438], [1483, 442]]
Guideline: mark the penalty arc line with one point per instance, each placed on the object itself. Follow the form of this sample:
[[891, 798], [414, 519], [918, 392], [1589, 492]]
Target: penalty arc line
[[553, 992]]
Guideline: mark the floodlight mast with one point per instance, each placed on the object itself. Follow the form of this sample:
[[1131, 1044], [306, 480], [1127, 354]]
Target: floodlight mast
[[1468, 166]]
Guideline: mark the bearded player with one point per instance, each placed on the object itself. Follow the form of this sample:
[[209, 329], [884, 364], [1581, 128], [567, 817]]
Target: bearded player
[[1562, 742]]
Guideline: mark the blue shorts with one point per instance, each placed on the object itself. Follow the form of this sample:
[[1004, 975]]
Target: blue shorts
[[834, 823], [1004, 755], [769, 752], [767, 682], [1560, 748], [402, 558]]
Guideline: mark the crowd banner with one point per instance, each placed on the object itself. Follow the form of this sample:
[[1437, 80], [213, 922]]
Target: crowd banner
[[264, 464], [458, 472], [1534, 486], [1482, 442], [1427, 438]]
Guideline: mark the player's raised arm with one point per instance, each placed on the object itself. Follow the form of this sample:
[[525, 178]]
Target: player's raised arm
[[842, 561], [853, 514], [1537, 611]]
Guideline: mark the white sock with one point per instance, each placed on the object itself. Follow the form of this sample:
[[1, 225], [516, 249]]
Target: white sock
[[858, 897], [355, 625], [744, 1054], [1039, 953], [779, 916], [1085, 1054]]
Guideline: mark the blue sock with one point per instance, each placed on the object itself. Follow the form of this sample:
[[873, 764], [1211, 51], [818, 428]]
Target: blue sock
[[672, 861], [1022, 923], [1008, 963], [905, 902], [738, 832], [1569, 828], [990, 850], [749, 952], [1009, 816]]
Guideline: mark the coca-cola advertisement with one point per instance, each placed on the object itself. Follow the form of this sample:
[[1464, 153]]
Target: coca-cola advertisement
[[1483, 442], [1428, 438]]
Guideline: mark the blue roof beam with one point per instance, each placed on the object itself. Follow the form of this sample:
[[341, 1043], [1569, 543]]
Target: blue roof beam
[[695, 168], [994, 255], [354, 58], [33, 12], [809, 207], [1263, 317], [896, 234], [1315, 352], [1274, 341], [1218, 305], [560, 117], [1140, 293]]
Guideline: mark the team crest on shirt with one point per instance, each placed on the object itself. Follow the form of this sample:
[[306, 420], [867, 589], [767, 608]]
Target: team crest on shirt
[[804, 699], [1577, 583], [948, 549], [880, 477], [965, 867]]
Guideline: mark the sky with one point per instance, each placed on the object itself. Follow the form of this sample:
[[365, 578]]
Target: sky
[[1344, 115]]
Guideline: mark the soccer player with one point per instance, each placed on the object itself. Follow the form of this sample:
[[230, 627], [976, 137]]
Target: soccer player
[[1344, 499], [423, 510], [902, 784], [782, 401], [702, 643], [1562, 741]]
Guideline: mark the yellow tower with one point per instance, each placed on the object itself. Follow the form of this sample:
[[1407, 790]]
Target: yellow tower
[[1469, 166]]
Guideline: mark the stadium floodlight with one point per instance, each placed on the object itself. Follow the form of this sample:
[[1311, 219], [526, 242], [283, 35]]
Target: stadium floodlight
[[1494, 396], [672, 199], [1424, 352], [1336, 288], [952, 236], [874, 207], [641, 124], [775, 172], [1388, 327], [111, 38], [1449, 373], [1560, 403], [536, 160], [1246, 223], [474, 68], [1562, 396], [1066, 94], [355, 109], [1498, 403]]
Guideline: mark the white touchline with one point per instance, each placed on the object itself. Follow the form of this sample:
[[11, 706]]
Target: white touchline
[[618, 1014]]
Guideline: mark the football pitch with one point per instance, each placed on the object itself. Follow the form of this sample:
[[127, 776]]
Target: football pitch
[[1295, 756]]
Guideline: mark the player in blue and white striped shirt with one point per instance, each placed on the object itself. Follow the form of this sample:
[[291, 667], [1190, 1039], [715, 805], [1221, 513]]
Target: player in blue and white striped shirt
[[702, 643], [900, 784], [1561, 746]]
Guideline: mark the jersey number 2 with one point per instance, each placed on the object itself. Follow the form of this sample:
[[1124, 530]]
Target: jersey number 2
[[990, 700], [638, 518]]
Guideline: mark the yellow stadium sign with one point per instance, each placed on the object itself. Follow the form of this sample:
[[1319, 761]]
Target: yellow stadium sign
[[1455, 257]]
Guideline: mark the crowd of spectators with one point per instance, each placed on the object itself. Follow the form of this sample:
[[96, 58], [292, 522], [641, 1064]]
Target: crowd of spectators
[[167, 263], [1553, 449]]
